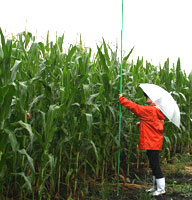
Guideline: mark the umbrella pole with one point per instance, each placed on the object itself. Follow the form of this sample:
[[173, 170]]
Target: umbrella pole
[[120, 105]]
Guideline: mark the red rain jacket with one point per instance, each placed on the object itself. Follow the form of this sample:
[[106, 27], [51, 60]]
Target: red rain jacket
[[151, 125]]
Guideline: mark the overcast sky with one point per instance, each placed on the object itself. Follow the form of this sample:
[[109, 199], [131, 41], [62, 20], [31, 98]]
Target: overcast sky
[[157, 29]]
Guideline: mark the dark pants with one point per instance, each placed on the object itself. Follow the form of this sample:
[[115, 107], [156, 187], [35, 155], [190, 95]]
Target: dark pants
[[154, 162]]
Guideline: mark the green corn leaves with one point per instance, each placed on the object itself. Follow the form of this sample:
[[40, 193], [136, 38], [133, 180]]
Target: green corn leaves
[[59, 114], [29, 159], [49, 125], [27, 180], [6, 95], [14, 70]]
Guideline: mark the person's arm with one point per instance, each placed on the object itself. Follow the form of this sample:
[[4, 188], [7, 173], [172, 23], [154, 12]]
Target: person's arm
[[143, 112]]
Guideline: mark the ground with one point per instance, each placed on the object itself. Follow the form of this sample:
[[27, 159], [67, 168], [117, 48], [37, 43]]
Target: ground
[[178, 174]]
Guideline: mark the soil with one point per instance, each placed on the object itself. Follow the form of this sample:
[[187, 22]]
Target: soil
[[178, 187], [178, 184]]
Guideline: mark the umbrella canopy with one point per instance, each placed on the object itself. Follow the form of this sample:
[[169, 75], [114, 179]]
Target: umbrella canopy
[[164, 101]]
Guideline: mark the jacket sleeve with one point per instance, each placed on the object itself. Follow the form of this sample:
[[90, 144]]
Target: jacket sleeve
[[143, 112]]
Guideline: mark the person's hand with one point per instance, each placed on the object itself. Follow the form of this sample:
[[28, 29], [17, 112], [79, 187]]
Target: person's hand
[[120, 95], [138, 124]]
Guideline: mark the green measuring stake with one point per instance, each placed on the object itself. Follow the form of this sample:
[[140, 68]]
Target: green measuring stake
[[120, 104]]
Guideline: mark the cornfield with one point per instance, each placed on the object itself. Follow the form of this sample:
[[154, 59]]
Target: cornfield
[[59, 115]]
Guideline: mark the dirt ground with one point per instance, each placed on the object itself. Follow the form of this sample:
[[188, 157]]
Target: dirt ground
[[178, 187], [178, 174]]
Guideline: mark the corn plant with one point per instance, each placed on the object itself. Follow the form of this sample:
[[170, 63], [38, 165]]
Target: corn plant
[[59, 115]]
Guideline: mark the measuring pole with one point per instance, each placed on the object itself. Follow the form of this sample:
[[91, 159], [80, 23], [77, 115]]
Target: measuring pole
[[120, 104]]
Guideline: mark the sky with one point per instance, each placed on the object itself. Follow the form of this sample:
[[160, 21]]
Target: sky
[[157, 29]]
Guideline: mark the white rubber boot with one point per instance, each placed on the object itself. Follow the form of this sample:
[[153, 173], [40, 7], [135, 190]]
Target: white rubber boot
[[153, 186], [160, 187]]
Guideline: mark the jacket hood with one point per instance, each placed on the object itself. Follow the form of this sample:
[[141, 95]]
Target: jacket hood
[[160, 115]]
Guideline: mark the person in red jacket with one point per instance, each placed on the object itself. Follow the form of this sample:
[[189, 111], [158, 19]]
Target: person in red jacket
[[150, 137]]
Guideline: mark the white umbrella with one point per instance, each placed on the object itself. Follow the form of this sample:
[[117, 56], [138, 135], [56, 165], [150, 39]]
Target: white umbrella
[[164, 101]]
